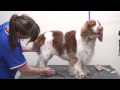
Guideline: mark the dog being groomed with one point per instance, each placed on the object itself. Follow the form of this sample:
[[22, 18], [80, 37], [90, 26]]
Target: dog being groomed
[[75, 46]]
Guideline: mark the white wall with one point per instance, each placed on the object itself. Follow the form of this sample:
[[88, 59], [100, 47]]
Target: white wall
[[106, 52]]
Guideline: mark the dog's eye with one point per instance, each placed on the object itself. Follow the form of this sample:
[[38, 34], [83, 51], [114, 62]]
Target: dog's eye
[[92, 31]]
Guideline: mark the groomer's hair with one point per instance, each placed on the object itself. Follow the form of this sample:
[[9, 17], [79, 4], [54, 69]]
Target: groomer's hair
[[23, 24]]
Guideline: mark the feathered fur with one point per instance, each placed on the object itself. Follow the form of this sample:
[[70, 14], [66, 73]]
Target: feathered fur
[[75, 46]]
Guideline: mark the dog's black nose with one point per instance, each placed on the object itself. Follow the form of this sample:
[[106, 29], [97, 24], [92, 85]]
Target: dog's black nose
[[119, 33]]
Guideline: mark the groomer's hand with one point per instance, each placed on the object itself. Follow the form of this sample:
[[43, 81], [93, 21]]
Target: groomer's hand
[[48, 71]]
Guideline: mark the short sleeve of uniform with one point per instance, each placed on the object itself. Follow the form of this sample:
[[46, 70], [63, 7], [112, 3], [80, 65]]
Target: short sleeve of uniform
[[4, 25], [14, 58]]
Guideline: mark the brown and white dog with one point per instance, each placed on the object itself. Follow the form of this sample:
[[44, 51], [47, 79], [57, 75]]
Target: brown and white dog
[[75, 46]]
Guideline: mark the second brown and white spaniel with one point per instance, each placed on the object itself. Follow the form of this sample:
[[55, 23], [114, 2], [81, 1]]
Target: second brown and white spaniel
[[75, 46]]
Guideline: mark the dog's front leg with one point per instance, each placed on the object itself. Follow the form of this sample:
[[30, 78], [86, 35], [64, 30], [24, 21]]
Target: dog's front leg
[[84, 68], [75, 68], [78, 70], [72, 62]]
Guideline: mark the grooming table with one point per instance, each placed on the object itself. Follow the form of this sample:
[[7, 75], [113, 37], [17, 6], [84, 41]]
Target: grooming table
[[63, 73]]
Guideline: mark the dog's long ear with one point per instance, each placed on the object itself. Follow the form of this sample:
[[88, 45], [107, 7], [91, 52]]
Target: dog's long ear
[[101, 36], [85, 30]]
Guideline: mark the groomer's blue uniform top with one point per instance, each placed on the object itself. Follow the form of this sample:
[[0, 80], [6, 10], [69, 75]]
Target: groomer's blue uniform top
[[10, 59]]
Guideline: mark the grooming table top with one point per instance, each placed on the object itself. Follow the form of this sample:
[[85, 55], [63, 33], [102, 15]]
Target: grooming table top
[[62, 71]]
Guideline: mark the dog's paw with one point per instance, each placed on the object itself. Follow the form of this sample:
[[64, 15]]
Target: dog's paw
[[80, 75], [87, 72]]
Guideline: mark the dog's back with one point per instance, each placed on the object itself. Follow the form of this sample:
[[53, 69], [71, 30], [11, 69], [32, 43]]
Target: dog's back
[[56, 43]]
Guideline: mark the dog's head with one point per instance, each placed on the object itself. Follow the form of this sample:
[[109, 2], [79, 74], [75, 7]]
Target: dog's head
[[92, 29]]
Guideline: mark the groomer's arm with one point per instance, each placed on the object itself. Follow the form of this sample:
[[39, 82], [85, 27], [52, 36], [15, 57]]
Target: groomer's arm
[[27, 48], [30, 71]]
